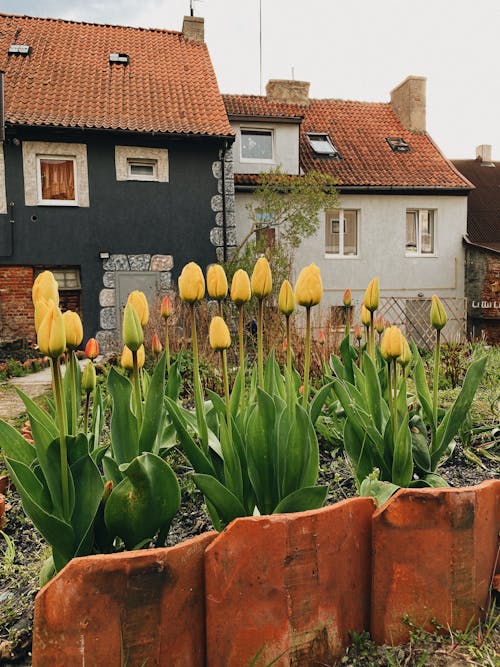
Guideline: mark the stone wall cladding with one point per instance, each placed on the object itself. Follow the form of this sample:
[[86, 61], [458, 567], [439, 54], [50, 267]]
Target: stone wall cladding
[[16, 306], [108, 336], [483, 293], [217, 203]]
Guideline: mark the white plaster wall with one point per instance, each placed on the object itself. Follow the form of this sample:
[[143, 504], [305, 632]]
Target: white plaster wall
[[381, 243], [286, 148]]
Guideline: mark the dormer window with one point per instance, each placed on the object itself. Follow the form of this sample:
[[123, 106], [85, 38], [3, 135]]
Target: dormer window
[[322, 145], [257, 145], [19, 49], [120, 58], [398, 145]]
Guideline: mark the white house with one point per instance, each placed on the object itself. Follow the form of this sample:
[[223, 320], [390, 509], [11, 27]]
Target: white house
[[402, 206]]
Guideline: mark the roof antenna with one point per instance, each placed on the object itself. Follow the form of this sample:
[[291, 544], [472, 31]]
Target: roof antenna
[[293, 73], [191, 6], [260, 47]]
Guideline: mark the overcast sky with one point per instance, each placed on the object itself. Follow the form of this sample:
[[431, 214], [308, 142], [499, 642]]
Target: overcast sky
[[356, 50]]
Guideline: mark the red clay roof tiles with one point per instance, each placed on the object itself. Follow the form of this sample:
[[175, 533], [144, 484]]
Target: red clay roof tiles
[[169, 86], [359, 131]]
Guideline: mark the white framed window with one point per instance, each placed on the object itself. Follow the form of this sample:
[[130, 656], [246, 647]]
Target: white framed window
[[56, 180], [341, 233], [420, 232], [257, 145], [322, 145], [141, 163]]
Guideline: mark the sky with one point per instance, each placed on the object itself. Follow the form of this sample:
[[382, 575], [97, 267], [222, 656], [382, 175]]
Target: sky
[[357, 50]]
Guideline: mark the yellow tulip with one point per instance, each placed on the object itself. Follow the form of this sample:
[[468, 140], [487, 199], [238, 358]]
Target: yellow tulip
[[219, 336], [191, 283], [216, 282], [133, 335], [286, 300], [391, 346], [309, 288], [371, 297], [73, 328], [88, 378], [51, 334], [140, 303], [45, 286], [241, 290], [262, 280], [126, 360], [438, 313], [365, 316], [41, 308], [405, 356]]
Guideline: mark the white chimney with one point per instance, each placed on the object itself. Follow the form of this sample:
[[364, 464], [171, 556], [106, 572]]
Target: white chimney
[[408, 103], [483, 152], [193, 27]]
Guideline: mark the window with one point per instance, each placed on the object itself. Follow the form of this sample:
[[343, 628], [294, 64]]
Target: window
[[420, 232], [322, 144], [257, 145], [56, 180], [341, 233], [398, 145], [142, 170]]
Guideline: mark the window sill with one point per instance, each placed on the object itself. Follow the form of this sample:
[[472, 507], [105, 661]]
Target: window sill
[[417, 255], [57, 202], [333, 256]]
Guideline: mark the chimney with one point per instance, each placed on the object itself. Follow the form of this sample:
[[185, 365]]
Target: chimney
[[288, 91], [408, 103], [483, 153], [193, 27]]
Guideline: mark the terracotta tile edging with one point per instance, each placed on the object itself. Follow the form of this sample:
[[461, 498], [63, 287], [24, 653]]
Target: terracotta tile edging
[[434, 552]]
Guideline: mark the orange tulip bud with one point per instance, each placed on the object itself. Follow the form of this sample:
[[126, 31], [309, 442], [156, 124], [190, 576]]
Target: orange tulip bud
[[73, 328], [371, 297], [241, 290], [321, 337], [379, 324], [166, 308], [358, 332], [156, 346], [309, 288], [140, 303], [191, 283], [216, 282], [92, 348], [347, 298]]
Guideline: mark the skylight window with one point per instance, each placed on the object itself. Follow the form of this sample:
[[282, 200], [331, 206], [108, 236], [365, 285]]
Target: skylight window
[[19, 49], [121, 58], [322, 145], [398, 145]]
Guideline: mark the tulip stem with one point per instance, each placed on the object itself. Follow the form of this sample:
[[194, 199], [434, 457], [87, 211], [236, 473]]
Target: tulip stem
[[288, 347], [62, 422], [86, 418], [137, 390], [242, 355], [223, 354], [435, 384], [260, 352], [167, 345], [371, 334], [198, 395], [347, 320], [73, 405], [307, 361]]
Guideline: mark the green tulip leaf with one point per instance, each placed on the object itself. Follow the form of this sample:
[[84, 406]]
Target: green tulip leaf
[[226, 504], [378, 490], [39, 413], [307, 498], [402, 462], [124, 435], [261, 451], [194, 454], [88, 493], [318, 401], [420, 448], [14, 446], [111, 469], [153, 409]]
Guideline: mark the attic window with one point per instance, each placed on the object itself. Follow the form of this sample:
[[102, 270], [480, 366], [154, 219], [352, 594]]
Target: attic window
[[121, 58], [398, 145], [19, 49], [322, 145]]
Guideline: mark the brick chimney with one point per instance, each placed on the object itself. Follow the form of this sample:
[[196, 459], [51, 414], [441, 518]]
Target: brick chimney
[[408, 103], [483, 153], [288, 91], [193, 27]]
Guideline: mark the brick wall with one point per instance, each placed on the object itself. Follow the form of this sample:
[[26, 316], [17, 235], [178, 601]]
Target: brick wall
[[16, 307], [483, 293]]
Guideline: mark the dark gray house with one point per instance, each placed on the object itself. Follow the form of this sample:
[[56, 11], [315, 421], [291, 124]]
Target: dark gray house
[[114, 139]]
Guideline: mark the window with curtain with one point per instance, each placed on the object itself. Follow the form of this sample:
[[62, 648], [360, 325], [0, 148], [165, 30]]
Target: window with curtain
[[56, 180], [341, 233], [420, 232]]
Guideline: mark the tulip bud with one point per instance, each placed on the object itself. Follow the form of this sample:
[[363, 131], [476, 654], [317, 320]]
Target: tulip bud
[[191, 283], [127, 361], [371, 297], [73, 329], [216, 282], [45, 286], [108, 488], [391, 346], [88, 378], [92, 348], [220, 338], [41, 308], [358, 332], [286, 300], [405, 357], [379, 324], [321, 337], [133, 334], [262, 280], [140, 303], [309, 288], [156, 346], [241, 290], [365, 316], [438, 313], [166, 308], [51, 334], [347, 298]]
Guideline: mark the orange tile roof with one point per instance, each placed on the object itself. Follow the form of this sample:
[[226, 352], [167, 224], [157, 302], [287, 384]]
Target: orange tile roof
[[169, 85], [358, 130]]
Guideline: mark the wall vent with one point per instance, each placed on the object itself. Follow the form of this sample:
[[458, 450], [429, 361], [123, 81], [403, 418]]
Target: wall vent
[[19, 49], [121, 58]]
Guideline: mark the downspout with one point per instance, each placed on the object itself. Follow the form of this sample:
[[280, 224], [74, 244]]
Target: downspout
[[222, 155]]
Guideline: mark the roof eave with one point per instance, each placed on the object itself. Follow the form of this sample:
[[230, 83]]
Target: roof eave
[[249, 118]]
